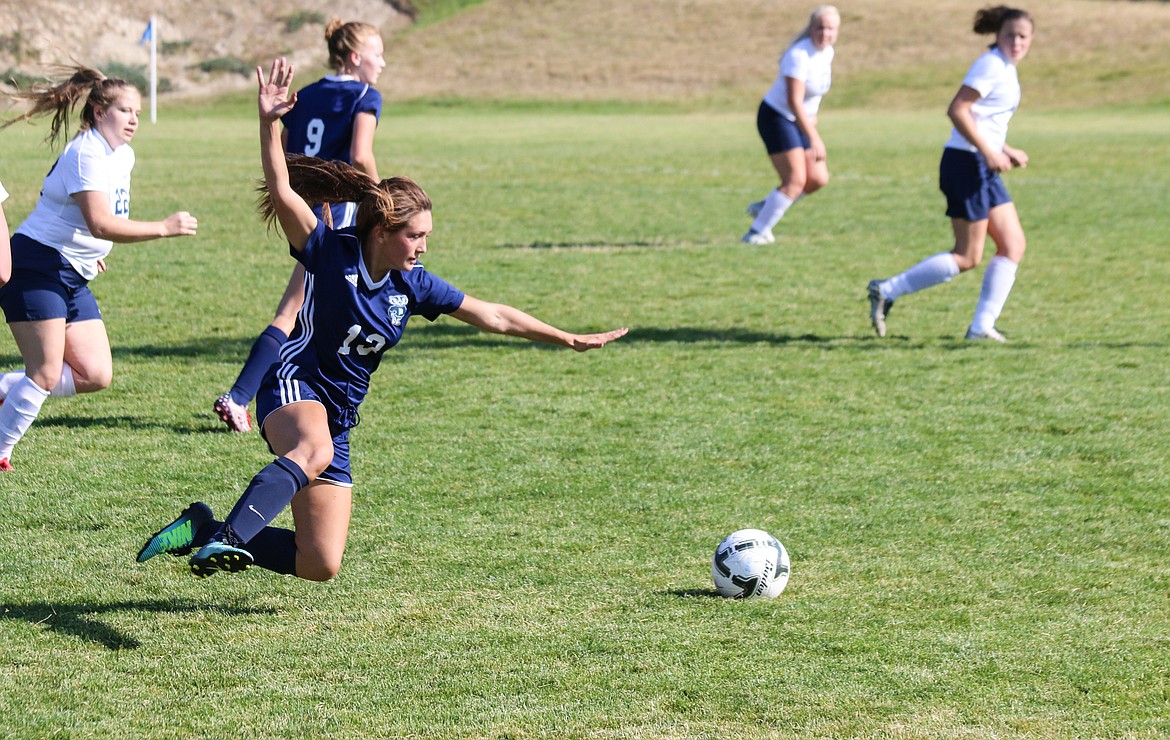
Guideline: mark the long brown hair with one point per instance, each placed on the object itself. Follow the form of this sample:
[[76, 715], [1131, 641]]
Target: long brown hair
[[390, 203], [60, 98]]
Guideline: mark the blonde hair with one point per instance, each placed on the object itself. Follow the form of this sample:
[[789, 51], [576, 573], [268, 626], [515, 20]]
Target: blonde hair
[[389, 204], [813, 17], [62, 97], [344, 39]]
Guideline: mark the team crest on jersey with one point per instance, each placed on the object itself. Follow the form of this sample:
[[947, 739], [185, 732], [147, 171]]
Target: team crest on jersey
[[397, 309]]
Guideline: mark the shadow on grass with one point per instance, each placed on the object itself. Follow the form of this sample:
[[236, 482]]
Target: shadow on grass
[[443, 336], [596, 246], [451, 334], [73, 421], [694, 593], [79, 620]]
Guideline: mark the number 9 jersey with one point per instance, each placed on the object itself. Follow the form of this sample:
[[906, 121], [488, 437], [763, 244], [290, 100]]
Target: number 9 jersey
[[321, 123], [348, 320]]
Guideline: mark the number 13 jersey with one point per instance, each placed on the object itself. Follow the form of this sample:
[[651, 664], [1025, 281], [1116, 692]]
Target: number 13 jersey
[[348, 320]]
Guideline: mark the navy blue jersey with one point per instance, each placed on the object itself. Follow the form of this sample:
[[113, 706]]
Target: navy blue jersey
[[348, 321], [321, 123]]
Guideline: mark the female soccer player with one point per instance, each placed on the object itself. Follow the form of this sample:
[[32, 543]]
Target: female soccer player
[[787, 122], [362, 285], [335, 119], [83, 209], [969, 176]]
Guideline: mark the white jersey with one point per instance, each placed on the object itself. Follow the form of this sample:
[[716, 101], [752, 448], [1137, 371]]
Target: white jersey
[[87, 164], [3, 193], [805, 62], [998, 85]]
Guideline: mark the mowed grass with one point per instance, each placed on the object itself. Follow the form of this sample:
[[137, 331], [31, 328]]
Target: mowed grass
[[979, 534]]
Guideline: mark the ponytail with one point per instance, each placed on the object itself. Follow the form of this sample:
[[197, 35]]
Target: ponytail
[[389, 203], [344, 39], [62, 97]]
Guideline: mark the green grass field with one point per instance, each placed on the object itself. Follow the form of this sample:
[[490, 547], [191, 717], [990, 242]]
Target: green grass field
[[979, 534]]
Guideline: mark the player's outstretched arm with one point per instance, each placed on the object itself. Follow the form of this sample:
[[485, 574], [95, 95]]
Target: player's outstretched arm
[[498, 318], [103, 224]]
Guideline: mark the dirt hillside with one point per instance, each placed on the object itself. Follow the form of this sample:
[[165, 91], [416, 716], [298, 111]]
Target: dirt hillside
[[215, 33], [889, 51]]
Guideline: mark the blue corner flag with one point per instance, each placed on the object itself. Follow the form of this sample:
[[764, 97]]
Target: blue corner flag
[[148, 34]]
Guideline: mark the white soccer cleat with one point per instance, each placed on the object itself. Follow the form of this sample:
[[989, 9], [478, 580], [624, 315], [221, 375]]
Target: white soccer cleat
[[233, 414], [991, 333], [758, 237], [879, 307]]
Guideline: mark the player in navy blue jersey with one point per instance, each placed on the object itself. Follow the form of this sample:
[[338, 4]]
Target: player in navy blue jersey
[[335, 119], [978, 203], [82, 211], [363, 284]]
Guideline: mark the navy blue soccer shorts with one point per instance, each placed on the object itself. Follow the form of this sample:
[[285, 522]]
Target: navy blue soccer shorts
[[278, 392], [45, 286], [779, 134], [972, 189]]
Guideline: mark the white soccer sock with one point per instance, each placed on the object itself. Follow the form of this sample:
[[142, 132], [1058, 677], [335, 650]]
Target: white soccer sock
[[774, 207], [933, 270], [998, 280], [65, 387], [7, 380], [19, 411]]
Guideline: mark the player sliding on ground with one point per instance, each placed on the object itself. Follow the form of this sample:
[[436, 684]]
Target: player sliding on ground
[[362, 285]]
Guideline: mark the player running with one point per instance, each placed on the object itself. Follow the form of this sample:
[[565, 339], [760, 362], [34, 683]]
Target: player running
[[969, 175], [84, 208], [787, 122], [335, 119]]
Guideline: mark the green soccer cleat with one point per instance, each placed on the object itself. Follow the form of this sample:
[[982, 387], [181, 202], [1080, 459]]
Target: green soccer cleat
[[177, 537]]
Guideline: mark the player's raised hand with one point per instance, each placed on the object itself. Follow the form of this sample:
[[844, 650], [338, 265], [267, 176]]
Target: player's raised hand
[[274, 99]]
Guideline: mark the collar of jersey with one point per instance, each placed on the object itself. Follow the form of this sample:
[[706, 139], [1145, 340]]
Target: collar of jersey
[[367, 280]]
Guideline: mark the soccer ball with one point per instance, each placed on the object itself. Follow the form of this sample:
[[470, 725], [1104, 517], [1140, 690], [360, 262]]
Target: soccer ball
[[750, 563]]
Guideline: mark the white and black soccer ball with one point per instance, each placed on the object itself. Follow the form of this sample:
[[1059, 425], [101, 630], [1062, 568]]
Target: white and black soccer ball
[[750, 563]]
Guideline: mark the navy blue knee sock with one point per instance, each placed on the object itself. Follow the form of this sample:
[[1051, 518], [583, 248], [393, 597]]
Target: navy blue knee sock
[[271, 490], [275, 549], [265, 352]]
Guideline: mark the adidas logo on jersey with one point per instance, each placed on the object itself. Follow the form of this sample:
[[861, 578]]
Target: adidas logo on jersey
[[352, 279]]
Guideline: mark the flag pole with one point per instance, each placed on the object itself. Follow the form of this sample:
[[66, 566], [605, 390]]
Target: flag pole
[[153, 69]]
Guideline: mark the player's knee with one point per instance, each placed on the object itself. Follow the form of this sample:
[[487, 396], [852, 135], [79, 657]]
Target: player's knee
[[318, 567], [46, 377], [1013, 248], [816, 182], [967, 261], [795, 184], [97, 381], [318, 459]]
